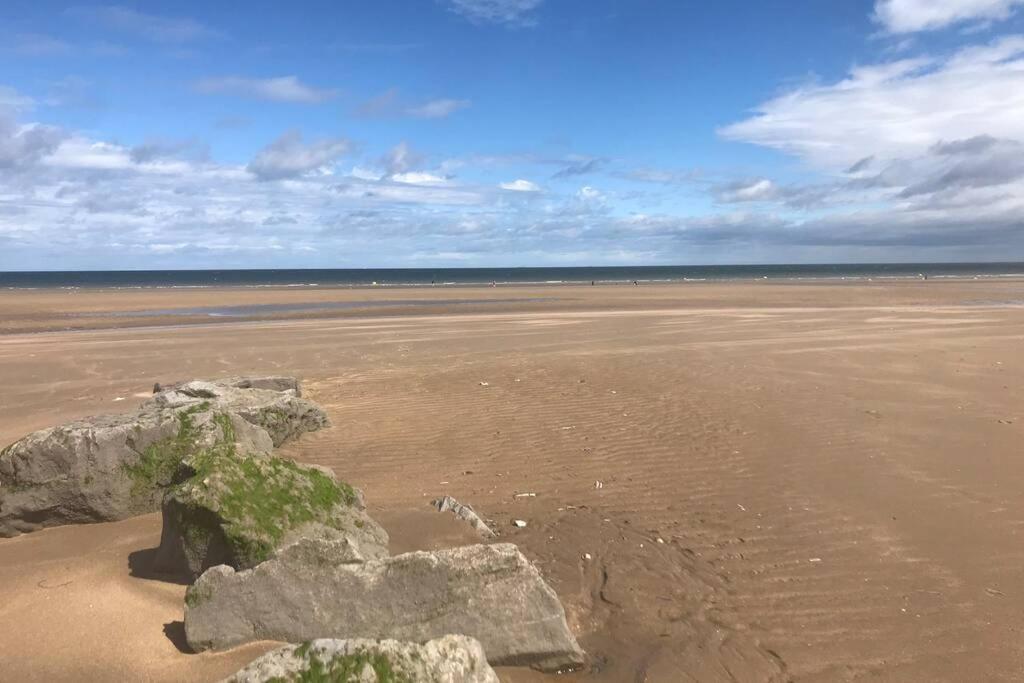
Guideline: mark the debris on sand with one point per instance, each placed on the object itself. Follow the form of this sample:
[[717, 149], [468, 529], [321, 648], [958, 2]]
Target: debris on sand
[[465, 513]]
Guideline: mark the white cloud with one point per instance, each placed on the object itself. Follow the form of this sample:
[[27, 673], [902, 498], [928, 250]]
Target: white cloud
[[578, 166], [418, 178], [290, 157], [36, 45], [925, 160], [510, 12], [381, 105], [390, 103], [79, 152], [520, 185], [758, 190], [907, 16], [387, 195], [896, 109], [24, 146], [437, 109], [361, 173], [279, 89], [153, 27], [72, 91], [401, 158], [13, 101], [647, 174]]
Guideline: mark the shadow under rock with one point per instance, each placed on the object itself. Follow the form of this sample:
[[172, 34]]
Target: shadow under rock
[[140, 566], [175, 632]]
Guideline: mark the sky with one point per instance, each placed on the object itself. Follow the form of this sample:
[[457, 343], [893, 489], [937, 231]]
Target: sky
[[448, 133]]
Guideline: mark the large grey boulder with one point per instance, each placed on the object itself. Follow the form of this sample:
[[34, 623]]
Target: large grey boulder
[[278, 410], [107, 468], [490, 593], [451, 659], [111, 467], [239, 510]]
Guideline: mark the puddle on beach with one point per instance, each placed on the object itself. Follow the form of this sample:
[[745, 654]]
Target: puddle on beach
[[248, 310]]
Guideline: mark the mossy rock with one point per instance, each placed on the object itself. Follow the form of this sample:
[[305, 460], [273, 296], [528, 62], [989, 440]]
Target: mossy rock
[[280, 411], [161, 460], [107, 468], [453, 658], [110, 467], [239, 510]]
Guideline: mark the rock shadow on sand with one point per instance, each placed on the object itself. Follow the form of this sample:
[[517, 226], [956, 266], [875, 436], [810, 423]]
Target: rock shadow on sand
[[175, 632], [141, 563]]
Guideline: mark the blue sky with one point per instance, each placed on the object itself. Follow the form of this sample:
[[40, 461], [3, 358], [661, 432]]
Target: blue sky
[[509, 132]]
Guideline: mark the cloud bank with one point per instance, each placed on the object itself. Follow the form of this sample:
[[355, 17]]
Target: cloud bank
[[908, 16], [898, 108], [912, 158]]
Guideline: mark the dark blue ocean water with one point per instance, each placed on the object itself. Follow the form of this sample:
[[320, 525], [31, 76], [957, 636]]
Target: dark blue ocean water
[[469, 276]]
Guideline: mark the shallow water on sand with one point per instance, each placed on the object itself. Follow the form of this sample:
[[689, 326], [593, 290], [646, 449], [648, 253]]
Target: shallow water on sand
[[247, 310]]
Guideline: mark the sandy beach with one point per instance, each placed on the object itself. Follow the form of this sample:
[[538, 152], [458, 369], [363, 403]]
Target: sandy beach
[[813, 481]]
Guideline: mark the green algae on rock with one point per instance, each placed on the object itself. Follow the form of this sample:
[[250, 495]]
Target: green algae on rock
[[238, 510], [160, 461], [453, 658], [107, 468], [271, 404]]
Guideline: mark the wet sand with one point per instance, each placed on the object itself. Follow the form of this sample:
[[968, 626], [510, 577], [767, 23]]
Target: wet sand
[[832, 468]]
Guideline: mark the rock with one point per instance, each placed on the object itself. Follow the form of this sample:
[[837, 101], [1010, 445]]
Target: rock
[[112, 467], [269, 382], [451, 659], [280, 411], [312, 549], [239, 510], [465, 513], [311, 590], [107, 468]]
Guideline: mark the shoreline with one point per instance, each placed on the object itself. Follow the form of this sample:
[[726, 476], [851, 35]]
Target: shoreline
[[531, 283], [371, 278], [51, 310]]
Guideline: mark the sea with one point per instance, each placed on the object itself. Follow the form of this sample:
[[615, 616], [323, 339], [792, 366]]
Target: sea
[[418, 277]]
